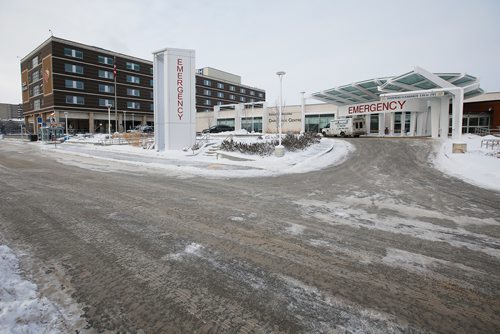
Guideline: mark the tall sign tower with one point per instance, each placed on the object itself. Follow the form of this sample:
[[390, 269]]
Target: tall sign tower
[[174, 99]]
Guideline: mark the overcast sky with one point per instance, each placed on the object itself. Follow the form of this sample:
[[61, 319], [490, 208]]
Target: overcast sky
[[319, 44]]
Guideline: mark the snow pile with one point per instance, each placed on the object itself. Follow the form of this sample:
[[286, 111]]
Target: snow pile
[[21, 310], [479, 165], [217, 164], [95, 138]]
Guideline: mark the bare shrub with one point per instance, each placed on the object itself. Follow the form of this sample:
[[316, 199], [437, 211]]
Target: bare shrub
[[291, 142]]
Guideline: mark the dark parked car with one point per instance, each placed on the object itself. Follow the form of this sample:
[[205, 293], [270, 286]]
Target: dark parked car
[[218, 128], [145, 128]]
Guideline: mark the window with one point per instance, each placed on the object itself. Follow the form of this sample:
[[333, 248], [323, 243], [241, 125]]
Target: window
[[36, 90], [133, 66], [105, 60], [36, 104], [151, 71], [226, 121], [133, 92], [73, 68], [314, 123], [151, 82], [207, 92], [106, 88], [106, 74], [261, 94], [73, 53], [207, 102], [231, 96], [71, 99], [220, 85], [243, 90], [207, 82], [73, 84], [231, 88], [34, 61], [133, 79], [133, 105], [242, 99], [252, 124], [220, 94], [106, 103], [35, 76], [151, 94], [252, 100], [152, 107], [252, 93]]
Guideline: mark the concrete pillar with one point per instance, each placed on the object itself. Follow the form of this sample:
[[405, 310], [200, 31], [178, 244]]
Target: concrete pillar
[[381, 124], [265, 118], [435, 117], [413, 123], [422, 122], [391, 123], [216, 114], [457, 114], [91, 122], [302, 113], [120, 122], [368, 123], [445, 117], [403, 123], [238, 111]]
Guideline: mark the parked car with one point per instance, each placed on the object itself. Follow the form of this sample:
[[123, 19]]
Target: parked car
[[144, 128], [218, 128]]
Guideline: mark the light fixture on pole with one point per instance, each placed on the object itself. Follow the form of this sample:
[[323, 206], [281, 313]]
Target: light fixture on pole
[[279, 150], [66, 117], [109, 121]]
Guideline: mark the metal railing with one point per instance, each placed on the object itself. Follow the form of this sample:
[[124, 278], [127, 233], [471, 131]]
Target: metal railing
[[491, 144], [487, 131]]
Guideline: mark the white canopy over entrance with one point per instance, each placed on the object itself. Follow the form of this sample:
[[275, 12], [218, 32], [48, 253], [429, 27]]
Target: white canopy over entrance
[[433, 90]]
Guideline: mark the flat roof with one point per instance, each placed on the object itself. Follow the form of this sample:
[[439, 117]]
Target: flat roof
[[418, 79], [83, 46], [491, 96]]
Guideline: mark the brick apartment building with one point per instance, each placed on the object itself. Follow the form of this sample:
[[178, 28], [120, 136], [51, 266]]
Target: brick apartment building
[[64, 79]]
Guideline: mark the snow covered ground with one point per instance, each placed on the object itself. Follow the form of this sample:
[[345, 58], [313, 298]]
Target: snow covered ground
[[479, 165], [200, 163], [22, 310]]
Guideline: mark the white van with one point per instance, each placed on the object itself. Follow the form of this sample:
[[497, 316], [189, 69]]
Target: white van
[[345, 127]]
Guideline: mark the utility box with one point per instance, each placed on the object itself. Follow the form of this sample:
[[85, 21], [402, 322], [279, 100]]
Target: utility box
[[459, 148]]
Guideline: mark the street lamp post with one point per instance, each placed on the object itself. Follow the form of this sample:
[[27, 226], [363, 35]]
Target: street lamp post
[[109, 121], [280, 150], [66, 117]]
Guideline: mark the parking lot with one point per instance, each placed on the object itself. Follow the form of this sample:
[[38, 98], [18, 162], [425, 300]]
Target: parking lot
[[382, 243]]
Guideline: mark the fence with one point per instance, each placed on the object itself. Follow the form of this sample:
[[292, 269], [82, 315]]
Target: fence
[[491, 144]]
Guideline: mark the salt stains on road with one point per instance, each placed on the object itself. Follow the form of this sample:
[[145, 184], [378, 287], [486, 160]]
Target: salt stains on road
[[193, 249], [295, 229], [358, 214], [339, 316]]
